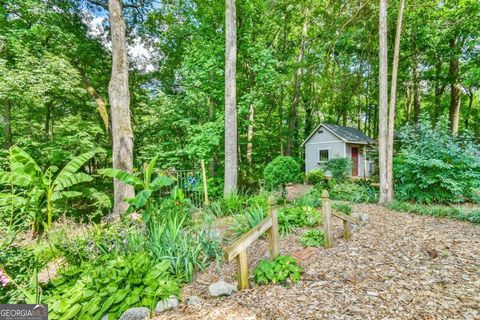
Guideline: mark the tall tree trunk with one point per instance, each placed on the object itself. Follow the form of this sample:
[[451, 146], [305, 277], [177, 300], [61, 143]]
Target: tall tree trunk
[[439, 89], [231, 143], [119, 96], [393, 101], [250, 134], [7, 114], [455, 96], [292, 125], [383, 102], [416, 90], [470, 94]]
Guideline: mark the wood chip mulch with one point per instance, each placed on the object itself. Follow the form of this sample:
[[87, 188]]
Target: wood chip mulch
[[398, 266]]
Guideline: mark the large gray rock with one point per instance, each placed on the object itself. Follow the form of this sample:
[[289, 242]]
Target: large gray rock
[[139, 313], [362, 218], [166, 305], [221, 288], [194, 300]]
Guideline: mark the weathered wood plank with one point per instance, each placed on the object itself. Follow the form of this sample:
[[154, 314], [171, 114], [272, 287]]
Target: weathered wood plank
[[242, 269], [247, 239], [345, 217], [274, 235], [327, 223], [347, 229], [204, 180]]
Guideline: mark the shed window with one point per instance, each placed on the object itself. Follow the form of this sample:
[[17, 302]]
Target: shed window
[[323, 155]]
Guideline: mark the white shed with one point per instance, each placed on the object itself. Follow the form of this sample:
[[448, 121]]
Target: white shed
[[329, 141]]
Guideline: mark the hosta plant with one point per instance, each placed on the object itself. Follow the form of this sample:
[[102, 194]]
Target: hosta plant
[[312, 238], [93, 291], [278, 270]]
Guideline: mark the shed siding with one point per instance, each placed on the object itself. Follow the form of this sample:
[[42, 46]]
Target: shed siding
[[336, 150], [326, 136]]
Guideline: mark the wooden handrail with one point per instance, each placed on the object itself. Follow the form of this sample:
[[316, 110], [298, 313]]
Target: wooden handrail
[[239, 248]]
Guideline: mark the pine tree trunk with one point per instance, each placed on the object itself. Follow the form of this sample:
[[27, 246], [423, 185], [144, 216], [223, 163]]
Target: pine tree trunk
[[231, 143], [383, 102], [119, 96], [7, 114], [454, 114], [393, 100]]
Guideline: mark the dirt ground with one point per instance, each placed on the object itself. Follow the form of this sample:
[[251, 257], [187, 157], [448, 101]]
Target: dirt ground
[[398, 266]]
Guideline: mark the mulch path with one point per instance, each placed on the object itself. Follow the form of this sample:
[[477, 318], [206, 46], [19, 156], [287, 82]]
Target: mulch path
[[398, 266]]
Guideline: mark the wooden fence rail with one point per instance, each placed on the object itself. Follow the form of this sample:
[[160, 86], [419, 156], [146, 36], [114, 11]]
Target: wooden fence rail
[[327, 221], [239, 248]]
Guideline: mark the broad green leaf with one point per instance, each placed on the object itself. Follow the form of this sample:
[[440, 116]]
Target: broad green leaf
[[74, 164], [149, 171], [72, 311], [140, 199], [122, 176], [71, 180], [160, 182]]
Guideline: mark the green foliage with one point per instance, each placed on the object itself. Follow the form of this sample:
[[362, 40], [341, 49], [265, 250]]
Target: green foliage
[[244, 222], [343, 208], [339, 168], [315, 176], [313, 198], [433, 166], [439, 211], [353, 192], [187, 248], [293, 217], [280, 171], [142, 200], [41, 188], [280, 270], [119, 283], [312, 238]]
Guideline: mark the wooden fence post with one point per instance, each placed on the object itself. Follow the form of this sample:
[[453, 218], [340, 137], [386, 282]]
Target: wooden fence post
[[327, 223], [204, 179], [274, 236], [242, 269], [347, 229]]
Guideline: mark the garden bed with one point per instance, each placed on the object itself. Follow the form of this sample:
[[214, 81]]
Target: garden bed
[[397, 266]]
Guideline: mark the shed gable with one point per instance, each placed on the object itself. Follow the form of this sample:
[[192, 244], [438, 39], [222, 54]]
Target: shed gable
[[322, 135]]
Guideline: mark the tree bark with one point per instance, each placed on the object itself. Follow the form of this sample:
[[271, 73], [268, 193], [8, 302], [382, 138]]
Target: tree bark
[[470, 94], [7, 108], [439, 89], [48, 115], [455, 96], [297, 91], [231, 143], [119, 96], [250, 134], [416, 90], [383, 102], [393, 100]]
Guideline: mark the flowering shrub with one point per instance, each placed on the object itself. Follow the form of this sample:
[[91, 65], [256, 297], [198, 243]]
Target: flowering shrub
[[4, 279]]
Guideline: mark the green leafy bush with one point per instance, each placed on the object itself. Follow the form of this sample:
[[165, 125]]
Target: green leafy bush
[[339, 168], [232, 204], [353, 192], [92, 291], [434, 166], [343, 208], [315, 176], [312, 198], [277, 271], [293, 217], [312, 238], [280, 171]]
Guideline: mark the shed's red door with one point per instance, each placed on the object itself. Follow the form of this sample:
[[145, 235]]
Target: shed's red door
[[354, 161]]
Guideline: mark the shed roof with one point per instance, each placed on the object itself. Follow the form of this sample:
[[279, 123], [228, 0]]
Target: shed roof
[[346, 134]]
